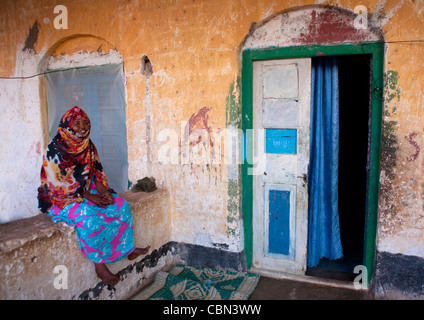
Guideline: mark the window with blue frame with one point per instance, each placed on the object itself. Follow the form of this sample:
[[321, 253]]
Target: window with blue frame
[[100, 92]]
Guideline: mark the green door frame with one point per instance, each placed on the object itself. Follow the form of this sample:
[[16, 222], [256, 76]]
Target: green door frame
[[377, 52]]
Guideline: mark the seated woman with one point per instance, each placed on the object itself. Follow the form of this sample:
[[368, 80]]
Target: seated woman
[[74, 190]]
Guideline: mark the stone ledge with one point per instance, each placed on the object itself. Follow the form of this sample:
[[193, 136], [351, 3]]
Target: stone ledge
[[140, 197], [16, 234], [32, 248]]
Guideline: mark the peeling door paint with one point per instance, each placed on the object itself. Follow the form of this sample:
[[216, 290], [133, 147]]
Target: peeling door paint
[[280, 214]]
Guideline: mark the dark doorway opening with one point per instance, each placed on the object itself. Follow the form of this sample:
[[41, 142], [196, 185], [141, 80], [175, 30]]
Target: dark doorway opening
[[354, 115]]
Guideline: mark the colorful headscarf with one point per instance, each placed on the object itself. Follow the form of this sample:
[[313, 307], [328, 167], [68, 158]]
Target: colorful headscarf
[[68, 166]]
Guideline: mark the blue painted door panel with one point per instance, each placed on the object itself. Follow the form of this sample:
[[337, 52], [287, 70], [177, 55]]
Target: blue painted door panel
[[282, 141], [279, 222]]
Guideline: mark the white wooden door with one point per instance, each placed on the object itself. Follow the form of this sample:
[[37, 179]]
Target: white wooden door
[[281, 123]]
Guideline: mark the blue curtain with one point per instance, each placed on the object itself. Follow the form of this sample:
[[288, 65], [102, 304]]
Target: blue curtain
[[324, 232]]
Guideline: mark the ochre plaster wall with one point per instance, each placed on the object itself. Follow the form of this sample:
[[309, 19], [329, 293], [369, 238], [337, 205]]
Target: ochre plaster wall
[[194, 47]]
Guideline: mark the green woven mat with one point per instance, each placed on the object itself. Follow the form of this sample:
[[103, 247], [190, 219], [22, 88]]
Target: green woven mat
[[194, 283]]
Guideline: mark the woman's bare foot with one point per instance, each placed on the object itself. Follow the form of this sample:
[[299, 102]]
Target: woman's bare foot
[[104, 274], [138, 252]]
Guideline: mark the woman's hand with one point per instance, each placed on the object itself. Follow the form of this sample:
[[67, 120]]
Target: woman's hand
[[107, 197], [101, 200]]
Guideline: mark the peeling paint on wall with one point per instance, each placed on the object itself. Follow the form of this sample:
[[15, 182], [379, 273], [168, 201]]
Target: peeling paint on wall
[[389, 148], [233, 207], [401, 192], [233, 113]]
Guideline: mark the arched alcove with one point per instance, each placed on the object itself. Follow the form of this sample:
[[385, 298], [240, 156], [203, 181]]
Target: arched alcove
[[87, 71], [80, 47]]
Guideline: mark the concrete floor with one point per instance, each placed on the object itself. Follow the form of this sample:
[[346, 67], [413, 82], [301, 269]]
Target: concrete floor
[[288, 289]]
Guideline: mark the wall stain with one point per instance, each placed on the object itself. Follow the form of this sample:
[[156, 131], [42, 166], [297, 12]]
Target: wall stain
[[410, 138], [329, 26], [397, 276], [32, 37], [198, 132], [196, 126]]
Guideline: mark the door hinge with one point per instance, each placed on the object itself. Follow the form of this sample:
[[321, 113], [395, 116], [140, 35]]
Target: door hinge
[[304, 177]]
